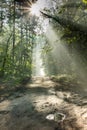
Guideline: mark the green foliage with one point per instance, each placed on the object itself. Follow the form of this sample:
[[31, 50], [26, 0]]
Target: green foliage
[[84, 1], [16, 44], [46, 49]]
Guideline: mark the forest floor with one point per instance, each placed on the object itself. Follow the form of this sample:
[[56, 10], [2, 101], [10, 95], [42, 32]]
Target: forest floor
[[26, 107]]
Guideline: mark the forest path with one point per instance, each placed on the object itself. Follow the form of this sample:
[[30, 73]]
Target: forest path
[[28, 110]]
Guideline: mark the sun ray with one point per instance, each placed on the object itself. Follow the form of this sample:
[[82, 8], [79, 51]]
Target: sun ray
[[35, 10]]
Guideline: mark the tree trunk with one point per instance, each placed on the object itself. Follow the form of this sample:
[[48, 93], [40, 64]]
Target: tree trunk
[[5, 58], [13, 30]]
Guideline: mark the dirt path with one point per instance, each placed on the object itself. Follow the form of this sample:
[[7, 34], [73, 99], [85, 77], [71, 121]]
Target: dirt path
[[28, 110]]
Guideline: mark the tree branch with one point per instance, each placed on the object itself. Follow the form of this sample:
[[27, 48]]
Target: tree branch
[[73, 26]]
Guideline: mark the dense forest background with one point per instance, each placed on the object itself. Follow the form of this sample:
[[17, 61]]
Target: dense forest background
[[61, 29]]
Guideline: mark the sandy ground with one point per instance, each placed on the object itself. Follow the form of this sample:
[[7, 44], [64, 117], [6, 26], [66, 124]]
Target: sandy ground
[[28, 109]]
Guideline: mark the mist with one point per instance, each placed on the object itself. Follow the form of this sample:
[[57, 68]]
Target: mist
[[60, 60]]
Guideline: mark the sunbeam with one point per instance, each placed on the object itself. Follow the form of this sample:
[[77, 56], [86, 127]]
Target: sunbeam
[[35, 9], [38, 69], [38, 6]]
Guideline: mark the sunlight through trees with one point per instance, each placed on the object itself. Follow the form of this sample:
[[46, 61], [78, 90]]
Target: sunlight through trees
[[63, 48]]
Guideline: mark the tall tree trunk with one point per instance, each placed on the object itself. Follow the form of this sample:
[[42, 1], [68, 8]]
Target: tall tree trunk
[[5, 57], [1, 19], [13, 30]]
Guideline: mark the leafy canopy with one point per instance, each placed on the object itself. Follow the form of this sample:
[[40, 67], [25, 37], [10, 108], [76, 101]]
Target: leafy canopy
[[84, 1]]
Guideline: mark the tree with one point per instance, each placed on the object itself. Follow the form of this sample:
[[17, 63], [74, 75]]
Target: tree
[[17, 39]]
